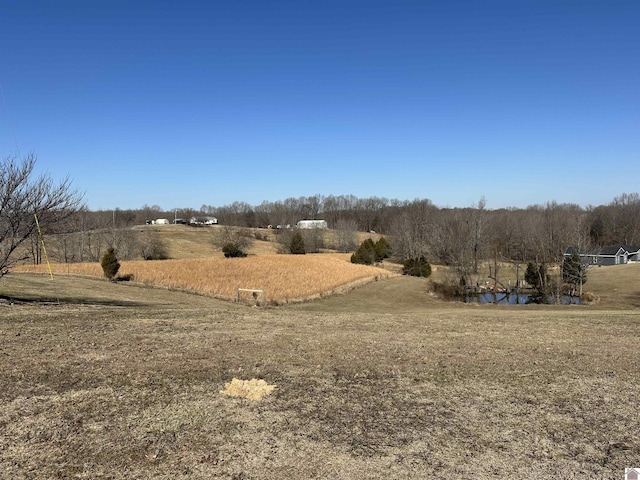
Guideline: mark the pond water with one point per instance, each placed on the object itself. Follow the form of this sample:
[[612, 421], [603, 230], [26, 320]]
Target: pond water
[[517, 299]]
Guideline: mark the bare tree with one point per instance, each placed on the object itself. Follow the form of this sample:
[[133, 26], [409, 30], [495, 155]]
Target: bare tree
[[22, 198], [227, 235], [369, 211], [346, 235], [313, 239], [152, 247], [413, 230], [124, 242]]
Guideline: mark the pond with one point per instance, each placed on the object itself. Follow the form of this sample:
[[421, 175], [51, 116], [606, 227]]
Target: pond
[[518, 299]]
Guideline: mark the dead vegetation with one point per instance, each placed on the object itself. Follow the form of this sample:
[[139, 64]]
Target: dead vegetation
[[254, 389], [122, 382], [284, 278]]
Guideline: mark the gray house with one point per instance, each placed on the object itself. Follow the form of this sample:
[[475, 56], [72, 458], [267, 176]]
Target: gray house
[[609, 255]]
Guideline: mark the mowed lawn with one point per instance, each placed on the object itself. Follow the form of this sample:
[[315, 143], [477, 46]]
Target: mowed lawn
[[115, 381]]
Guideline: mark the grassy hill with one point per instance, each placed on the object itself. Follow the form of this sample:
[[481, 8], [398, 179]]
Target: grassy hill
[[611, 287], [118, 380], [615, 286]]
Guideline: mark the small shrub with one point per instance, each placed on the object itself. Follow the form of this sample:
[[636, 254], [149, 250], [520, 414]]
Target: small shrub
[[416, 267], [232, 250], [232, 241], [445, 290], [109, 263]]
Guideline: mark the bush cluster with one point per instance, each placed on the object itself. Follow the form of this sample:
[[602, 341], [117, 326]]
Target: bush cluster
[[416, 267], [153, 248], [233, 250], [370, 252], [446, 290]]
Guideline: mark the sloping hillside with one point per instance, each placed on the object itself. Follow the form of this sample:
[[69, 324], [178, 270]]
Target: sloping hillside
[[615, 286]]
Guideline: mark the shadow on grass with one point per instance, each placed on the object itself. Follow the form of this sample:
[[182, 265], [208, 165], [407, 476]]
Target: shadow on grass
[[62, 300]]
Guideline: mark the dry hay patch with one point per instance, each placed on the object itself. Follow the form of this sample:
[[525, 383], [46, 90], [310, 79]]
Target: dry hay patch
[[253, 389], [284, 278]]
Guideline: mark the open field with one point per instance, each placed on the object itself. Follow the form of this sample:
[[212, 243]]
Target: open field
[[284, 278], [185, 241], [124, 382], [615, 286]]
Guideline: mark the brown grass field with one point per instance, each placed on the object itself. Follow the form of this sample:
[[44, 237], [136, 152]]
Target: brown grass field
[[284, 278], [125, 381]]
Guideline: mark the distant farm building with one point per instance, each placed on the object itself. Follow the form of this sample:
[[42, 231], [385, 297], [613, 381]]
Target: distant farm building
[[203, 221], [312, 224]]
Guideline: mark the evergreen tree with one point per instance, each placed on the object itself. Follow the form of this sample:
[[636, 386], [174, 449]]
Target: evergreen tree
[[536, 276], [383, 249], [366, 253], [416, 267], [574, 272], [297, 244], [110, 264]]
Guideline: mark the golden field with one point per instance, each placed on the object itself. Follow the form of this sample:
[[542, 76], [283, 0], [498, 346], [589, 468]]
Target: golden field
[[284, 278]]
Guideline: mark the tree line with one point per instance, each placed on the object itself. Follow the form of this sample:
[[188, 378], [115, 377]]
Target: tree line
[[459, 237], [418, 227]]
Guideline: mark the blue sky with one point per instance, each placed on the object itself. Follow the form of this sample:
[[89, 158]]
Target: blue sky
[[187, 103]]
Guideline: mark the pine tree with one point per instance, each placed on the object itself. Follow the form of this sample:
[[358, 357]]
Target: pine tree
[[297, 244], [110, 264], [536, 276], [416, 267], [383, 249], [574, 271], [366, 253]]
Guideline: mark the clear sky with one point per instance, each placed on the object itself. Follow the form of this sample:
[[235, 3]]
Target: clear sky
[[187, 103]]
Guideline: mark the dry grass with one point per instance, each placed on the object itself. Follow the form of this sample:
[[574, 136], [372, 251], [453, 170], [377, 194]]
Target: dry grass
[[183, 241], [284, 278], [110, 380], [615, 286], [254, 389], [122, 382]]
